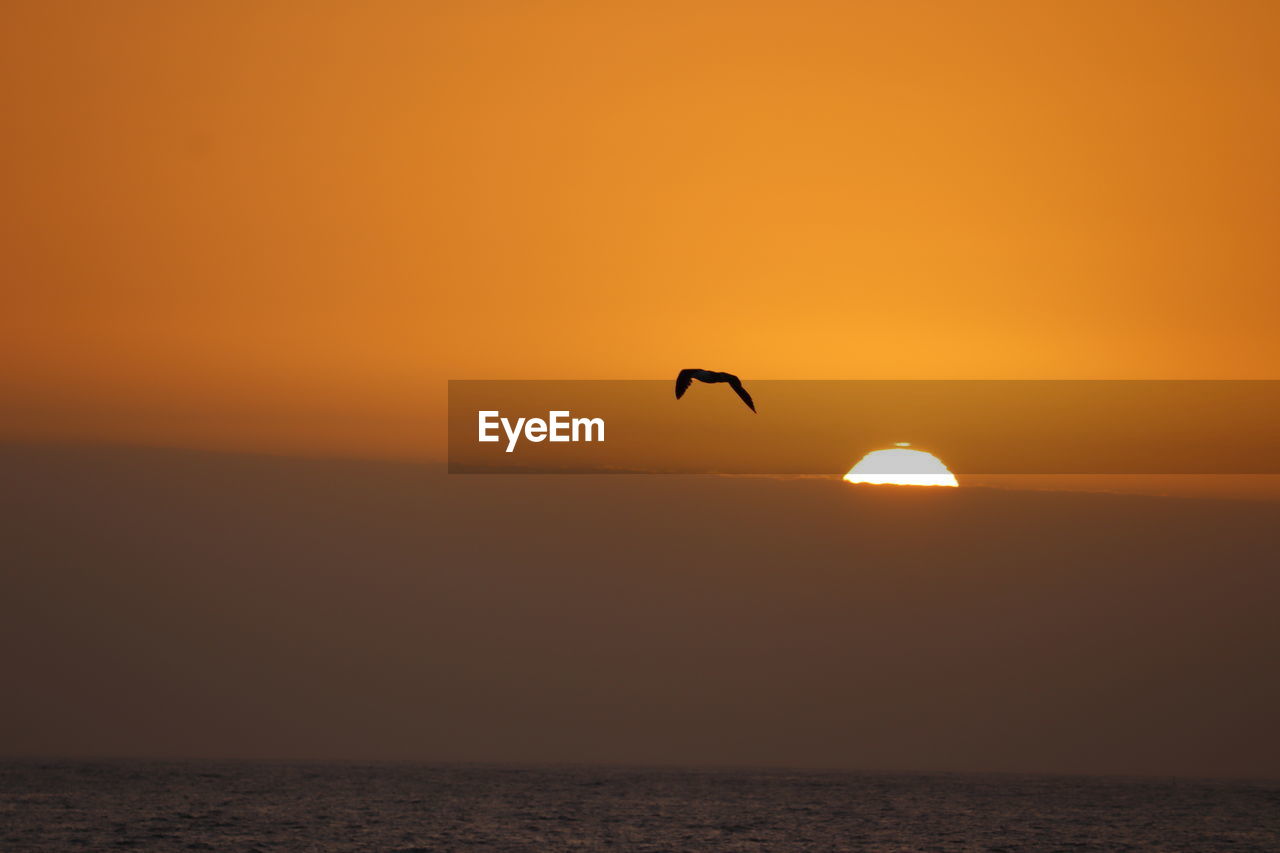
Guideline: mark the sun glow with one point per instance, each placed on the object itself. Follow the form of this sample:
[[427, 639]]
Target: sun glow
[[901, 466]]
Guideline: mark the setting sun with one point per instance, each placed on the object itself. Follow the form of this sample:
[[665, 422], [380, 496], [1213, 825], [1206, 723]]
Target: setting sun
[[901, 466]]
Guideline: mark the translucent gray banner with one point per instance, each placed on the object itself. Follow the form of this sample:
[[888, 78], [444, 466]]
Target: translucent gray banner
[[826, 426]]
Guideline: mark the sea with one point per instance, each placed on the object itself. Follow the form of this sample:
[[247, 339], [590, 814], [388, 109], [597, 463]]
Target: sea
[[394, 806]]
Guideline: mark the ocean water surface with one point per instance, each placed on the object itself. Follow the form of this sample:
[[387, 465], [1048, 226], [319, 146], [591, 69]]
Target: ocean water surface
[[211, 805]]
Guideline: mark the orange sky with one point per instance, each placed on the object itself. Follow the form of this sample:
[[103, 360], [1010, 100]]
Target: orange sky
[[283, 226]]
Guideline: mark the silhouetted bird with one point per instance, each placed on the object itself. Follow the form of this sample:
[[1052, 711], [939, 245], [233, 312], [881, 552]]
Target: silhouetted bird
[[686, 377]]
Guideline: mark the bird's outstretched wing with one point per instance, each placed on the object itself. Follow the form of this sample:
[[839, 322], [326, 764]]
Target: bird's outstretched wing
[[736, 384], [684, 380]]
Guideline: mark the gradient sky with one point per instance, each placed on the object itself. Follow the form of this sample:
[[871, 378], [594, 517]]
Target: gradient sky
[[282, 226]]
